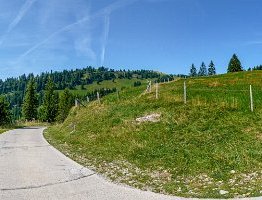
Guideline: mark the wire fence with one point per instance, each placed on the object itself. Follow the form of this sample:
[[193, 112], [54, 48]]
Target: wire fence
[[241, 99]]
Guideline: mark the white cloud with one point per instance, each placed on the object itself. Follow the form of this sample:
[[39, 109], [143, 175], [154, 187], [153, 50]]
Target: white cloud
[[253, 42], [105, 11], [105, 38], [55, 30], [83, 47], [23, 10]]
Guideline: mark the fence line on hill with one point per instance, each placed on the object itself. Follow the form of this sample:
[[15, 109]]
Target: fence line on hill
[[250, 94], [186, 90]]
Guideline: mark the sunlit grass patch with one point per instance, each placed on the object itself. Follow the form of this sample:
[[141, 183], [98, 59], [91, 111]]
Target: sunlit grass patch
[[2, 130]]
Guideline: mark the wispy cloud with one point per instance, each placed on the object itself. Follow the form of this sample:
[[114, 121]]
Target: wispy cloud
[[83, 47], [254, 42], [106, 11], [65, 28], [23, 10], [105, 38]]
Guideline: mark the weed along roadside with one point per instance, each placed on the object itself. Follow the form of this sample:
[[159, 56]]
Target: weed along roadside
[[210, 147], [2, 130]]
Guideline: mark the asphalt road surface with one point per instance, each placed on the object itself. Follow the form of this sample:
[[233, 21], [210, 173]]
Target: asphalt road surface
[[32, 169]]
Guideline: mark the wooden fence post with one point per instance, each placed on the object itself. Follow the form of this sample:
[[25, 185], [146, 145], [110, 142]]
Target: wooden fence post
[[251, 100], [98, 97], [76, 102], [157, 90], [184, 92]]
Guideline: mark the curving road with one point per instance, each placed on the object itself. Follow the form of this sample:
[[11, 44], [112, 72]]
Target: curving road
[[32, 169]]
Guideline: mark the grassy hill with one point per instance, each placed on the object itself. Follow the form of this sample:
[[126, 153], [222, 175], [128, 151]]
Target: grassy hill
[[83, 82], [108, 84], [210, 147]]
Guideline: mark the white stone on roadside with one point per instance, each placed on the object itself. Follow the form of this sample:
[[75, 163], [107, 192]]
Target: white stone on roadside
[[223, 192], [149, 118]]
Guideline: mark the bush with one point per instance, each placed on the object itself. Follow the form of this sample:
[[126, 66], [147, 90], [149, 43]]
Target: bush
[[137, 83], [5, 114]]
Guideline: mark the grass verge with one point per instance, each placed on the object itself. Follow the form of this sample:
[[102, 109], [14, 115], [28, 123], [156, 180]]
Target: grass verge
[[2, 130], [8, 127], [210, 147]]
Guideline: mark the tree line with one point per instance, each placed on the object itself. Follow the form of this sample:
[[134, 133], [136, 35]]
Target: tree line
[[54, 107], [71, 78], [203, 71], [258, 67], [234, 65], [5, 114], [34, 97]]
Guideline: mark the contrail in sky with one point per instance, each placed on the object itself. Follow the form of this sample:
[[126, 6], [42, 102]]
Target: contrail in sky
[[105, 11], [105, 38], [23, 10]]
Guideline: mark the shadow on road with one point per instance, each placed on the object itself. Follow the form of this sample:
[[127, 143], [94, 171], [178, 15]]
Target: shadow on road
[[24, 128]]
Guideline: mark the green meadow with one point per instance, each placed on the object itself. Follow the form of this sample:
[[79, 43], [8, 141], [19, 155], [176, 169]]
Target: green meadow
[[108, 84], [209, 147]]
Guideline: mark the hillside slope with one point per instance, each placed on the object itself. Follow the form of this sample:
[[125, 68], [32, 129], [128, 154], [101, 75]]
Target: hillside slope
[[119, 84], [210, 147], [82, 82]]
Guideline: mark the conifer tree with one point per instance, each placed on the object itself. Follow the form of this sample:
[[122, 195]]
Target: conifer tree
[[50, 106], [65, 104], [29, 109], [5, 115], [234, 64], [202, 70], [41, 113], [211, 69], [193, 71]]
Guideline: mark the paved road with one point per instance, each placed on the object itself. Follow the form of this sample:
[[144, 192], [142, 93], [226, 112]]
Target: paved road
[[32, 169]]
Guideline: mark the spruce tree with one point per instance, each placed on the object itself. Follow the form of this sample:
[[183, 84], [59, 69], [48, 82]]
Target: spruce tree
[[5, 114], [50, 106], [211, 69], [41, 113], [29, 109], [234, 64], [65, 104], [202, 70], [193, 71]]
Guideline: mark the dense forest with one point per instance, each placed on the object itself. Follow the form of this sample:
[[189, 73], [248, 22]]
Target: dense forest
[[71, 78], [14, 89]]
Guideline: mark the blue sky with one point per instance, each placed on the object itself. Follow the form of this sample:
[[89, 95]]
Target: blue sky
[[164, 35]]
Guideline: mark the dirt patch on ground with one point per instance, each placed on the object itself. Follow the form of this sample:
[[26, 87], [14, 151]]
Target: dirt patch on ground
[[215, 84]]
